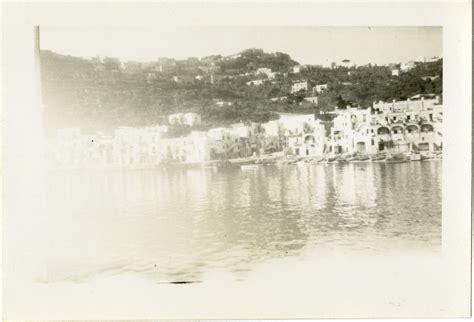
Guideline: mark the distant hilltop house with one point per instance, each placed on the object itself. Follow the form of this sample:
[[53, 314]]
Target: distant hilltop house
[[312, 99], [298, 86], [346, 63], [232, 56], [395, 72], [223, 103], [297, 69], [404, 67], [320, 88], [278, 99], [420, 59], [190, 119], [432, 59], [255, 82], [266, 71], [431, 78]]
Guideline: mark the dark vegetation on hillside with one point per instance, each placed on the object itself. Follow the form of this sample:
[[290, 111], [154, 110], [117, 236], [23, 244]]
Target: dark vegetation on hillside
[[106, 93]]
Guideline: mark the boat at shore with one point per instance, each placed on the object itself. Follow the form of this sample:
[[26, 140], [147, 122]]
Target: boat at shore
[[378, 158], [396, 158], [360, 158], [415, 157]]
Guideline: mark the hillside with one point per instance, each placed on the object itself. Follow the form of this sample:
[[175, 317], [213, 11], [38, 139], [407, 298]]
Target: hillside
[[106, 93]]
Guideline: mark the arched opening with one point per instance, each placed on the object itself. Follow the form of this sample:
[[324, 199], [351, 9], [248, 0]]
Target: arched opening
[[397, 129], [427, 128], [309, 139], [412, 129], [383, 130], [360, 146]]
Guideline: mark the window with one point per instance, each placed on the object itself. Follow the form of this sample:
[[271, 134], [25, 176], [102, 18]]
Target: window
[[372, 142]]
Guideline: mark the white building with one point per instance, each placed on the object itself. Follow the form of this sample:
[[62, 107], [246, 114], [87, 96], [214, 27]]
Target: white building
[[278, 99], [310, 142], [256, 82], [176, 118], [320, 88], [395, 72], [223, 103], [298, 86], [404, 67], [271, 128], [404, 126], [432, 59], [266, 71], [297, 69], [312, 99], [415, 103], [191, 119], [293, 124]]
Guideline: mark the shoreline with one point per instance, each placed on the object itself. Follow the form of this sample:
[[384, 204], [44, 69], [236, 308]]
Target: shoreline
[[267, 159]]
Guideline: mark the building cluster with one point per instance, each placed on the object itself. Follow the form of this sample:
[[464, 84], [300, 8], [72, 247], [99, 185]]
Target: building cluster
[[127, 146], [398, 126]]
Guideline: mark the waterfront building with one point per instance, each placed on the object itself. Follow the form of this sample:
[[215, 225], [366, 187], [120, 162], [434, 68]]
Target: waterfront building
[[194, 148], [345, 131], [292, 124], [310, 142], [414, 124]]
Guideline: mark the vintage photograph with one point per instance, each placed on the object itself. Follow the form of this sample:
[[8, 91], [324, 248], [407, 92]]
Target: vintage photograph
[[180, 153], [189, 160]]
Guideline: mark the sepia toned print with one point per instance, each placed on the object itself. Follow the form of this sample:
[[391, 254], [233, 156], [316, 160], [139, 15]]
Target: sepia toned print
[[221, 159], [236, 160]]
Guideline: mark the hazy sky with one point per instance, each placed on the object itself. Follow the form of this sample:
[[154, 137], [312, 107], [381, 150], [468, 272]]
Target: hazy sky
[[307, 45]]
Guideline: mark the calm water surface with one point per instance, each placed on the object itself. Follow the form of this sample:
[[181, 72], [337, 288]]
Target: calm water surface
[[176, 225]]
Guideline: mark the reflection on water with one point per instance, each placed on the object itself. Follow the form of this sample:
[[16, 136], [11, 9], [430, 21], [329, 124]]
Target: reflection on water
[[177, 225]]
